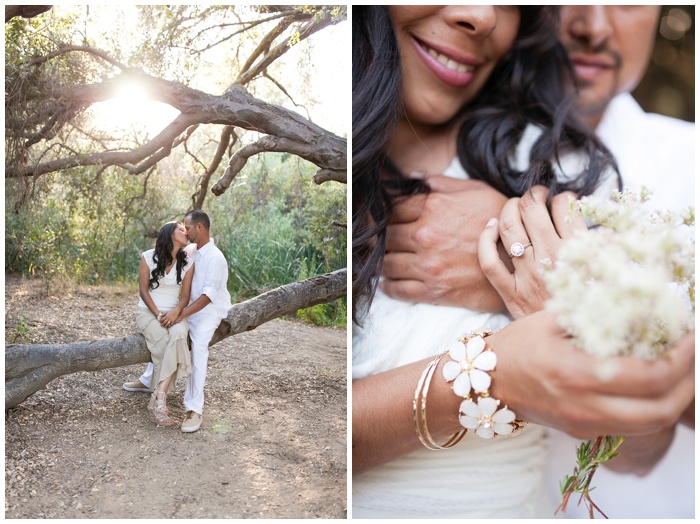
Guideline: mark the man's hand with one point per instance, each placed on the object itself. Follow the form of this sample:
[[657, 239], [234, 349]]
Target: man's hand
[[169, 318], [431, 253]]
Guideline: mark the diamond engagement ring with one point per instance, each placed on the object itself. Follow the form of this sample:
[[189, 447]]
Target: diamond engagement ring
[[517, 249]]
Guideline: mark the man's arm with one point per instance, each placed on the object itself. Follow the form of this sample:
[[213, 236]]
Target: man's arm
[[432, 245], [194, 307], [215, 277]]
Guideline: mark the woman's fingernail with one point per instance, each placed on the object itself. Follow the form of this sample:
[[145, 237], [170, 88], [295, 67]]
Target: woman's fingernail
[[492, 222], [416, 175]]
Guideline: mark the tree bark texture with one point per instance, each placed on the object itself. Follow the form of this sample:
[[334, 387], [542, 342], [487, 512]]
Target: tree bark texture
[[287, 131], [25, 11], [28, 368]]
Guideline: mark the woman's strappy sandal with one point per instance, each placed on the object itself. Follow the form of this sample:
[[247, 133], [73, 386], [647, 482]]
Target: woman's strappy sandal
[[158, 408]]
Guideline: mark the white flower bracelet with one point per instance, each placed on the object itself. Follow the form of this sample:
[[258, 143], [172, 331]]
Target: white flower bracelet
[[470, 361]]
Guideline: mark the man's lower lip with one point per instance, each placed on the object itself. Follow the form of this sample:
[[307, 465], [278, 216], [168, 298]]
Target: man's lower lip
[[447, 75], [588, 73]]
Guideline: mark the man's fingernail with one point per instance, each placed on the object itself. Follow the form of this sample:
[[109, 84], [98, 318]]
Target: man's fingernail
[[492, 222]]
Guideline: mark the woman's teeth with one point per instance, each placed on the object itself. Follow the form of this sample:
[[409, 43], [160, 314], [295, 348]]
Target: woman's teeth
[[449, 63]]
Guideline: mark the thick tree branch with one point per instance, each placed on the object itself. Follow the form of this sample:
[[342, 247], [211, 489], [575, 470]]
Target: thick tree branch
[[25, 11], [293, 133], [28, 368], [124, 159], [326, 175]]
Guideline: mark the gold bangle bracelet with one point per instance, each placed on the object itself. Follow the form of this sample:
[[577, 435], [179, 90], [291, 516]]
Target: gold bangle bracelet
[[420, 411]]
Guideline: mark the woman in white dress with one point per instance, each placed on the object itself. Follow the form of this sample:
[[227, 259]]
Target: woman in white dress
[[431, 83], [165, 280]]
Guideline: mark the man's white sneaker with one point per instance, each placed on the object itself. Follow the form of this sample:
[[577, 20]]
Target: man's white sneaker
[[136, 385], [191, 423]]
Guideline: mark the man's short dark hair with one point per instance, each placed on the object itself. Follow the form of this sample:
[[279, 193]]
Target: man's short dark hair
[[197, 216]]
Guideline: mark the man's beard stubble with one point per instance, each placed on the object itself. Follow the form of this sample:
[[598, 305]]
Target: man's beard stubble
[[589, 103]]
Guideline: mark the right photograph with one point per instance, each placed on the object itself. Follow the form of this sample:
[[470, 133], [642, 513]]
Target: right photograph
[[523, 262]]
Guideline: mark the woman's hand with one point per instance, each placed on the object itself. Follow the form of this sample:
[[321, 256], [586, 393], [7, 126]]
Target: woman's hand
[[526, 221], [545, 379], [170, 318]]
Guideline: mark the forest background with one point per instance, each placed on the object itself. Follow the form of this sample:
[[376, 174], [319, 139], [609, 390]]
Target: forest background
[[89, 224]]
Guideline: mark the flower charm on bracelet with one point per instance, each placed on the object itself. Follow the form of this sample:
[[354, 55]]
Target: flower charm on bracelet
[[484, 418], [469, 365]]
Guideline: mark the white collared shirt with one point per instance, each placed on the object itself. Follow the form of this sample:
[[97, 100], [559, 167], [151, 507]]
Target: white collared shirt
[[210, 279]]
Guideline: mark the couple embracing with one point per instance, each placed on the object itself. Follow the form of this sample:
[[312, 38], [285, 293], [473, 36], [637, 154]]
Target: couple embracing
[[480, 94], [182, 291]]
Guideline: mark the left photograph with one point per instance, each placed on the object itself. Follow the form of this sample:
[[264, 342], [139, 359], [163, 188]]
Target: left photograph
[[175, 261]]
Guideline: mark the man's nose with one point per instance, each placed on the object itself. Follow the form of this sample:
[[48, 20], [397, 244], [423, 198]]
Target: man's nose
[[589, 23]]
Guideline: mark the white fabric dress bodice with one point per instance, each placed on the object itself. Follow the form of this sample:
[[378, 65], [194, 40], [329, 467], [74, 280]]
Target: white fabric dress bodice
[[497, 478], [167, 294]]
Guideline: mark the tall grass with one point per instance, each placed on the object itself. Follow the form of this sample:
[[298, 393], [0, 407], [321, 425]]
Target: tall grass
[[272, 231]]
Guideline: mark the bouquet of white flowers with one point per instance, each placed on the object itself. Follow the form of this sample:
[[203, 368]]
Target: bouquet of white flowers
[[625, 287]]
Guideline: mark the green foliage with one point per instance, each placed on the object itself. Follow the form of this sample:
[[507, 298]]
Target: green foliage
[[275, 227], [21, 332], [333, 314], [89, 225], [589, 456]]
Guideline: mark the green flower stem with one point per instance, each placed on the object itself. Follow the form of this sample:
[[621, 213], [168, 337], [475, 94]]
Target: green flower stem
[[590, 455]]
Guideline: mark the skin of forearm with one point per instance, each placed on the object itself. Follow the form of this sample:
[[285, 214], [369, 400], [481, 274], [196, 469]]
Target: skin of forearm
[[688, 417], [638, 455], [382, 414], [194, 307]]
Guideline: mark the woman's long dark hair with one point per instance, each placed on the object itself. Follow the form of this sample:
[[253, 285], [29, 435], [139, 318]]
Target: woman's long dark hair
[[527, 87], [163, 257]]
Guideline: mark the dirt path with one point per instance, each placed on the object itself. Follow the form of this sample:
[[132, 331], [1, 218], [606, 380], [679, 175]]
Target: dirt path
[[272, 445]]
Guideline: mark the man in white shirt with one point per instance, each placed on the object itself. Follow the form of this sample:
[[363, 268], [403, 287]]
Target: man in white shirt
[[610, 47], [209, 305]]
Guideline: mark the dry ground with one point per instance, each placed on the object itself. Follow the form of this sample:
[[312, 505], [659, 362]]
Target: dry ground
[[272, 445]]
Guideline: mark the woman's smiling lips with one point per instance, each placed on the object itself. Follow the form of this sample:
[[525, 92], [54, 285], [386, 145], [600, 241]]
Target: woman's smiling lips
[[453, 70]]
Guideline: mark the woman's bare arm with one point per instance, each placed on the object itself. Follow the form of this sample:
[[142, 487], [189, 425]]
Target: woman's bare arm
[[144, 277], [542, 377]]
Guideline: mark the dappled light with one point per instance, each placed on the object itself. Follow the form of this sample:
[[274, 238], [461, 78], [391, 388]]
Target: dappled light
[[120, 120]]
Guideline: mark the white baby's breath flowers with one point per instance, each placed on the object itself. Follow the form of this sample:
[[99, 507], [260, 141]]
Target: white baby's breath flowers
[[626, 287]]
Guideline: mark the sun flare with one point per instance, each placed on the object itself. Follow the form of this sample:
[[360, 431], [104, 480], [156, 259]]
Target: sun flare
[[132, 109]]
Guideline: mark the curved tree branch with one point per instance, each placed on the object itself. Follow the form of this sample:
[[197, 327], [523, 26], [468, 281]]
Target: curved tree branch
[[317, 23], [25, 11], [326, 175], [226, 135], [292, 133], [28, 368]]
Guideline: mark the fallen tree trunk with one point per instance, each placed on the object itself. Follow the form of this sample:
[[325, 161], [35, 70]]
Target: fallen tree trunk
[[28, 368]]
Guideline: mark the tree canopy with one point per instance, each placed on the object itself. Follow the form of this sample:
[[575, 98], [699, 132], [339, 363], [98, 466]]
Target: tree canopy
[[52, 78], [200, 97]]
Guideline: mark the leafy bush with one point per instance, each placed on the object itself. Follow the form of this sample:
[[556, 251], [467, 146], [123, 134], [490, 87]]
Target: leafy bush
[[274, 228]]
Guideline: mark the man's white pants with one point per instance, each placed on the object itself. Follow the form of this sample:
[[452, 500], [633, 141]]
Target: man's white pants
[[202, 328]]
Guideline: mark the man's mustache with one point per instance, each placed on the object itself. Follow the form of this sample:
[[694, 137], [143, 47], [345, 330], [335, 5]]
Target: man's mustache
[[603, 49]]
